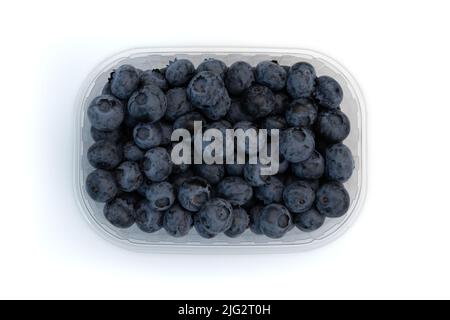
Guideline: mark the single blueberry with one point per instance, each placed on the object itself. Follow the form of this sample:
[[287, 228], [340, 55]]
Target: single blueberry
[[106, 113], [147, 135], [179, 72], [216, 216], [298, 197], [332, 200], [124, 81], [213, 173], [193, 193], [148, 104], [235, 190], [177, 222], [157, 164], [309, 221], [213, 65], [300, 80], [160, 196], [129, 176], [311, 168], [120, 211], [301, 113], [271, 75], [275, 221], [239, 77], [252, 174], [239, 223], [154, 77], [131, 152], [328, 92], [296, 144], [333, 125], [148, 219], [104, 155], [271, 192], [339, 163], [101, 186], [200, 228], [259, 101], [178, 103]]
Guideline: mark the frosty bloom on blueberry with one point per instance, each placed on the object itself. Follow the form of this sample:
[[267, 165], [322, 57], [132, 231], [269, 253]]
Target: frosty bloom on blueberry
[[214, 150]]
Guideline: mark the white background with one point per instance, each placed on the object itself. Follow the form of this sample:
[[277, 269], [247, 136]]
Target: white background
[[399, 51]]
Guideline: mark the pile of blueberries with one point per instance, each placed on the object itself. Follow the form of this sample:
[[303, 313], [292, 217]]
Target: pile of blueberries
[[132, 121]]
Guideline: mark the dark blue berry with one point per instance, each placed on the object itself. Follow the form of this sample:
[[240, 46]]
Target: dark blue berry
[[177, 222], [296, 144], [235, 190], [275, 221], [157, 164], [271, 192], [300, 80], [301, 113], [106, 113], [160, 196], [154, 77], [328, 93], [200, 228], [213, 65], [253, 176], [271, 75], [282, 101], [239, 223], [131, 152], [216, 216], [339, 162], [213, 173], [104, 155], [178, 103], [148, 219], [259, 101], [239, 77], [186, 121], [101, 185], [179, 72], [234, 169], [255, 219], [113, 136], [309, 221], [193, 193], [311, 168], [333, 125], [298, 197], [332, 200], [236, 113], [120, 211], [147, 135], [124, 81], [148, 104], [128, 176]]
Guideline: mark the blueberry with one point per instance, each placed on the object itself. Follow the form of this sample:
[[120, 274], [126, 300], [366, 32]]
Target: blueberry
[[339, 162], [157, 164], [301, 113], [179, 72], [259, 101], [200, 228], [252, 174], [239, 223], [309, 221], [148, 104], [300, 80], [333, 125], [271, 75], [194, 193], [328, 93], [332, 200], [298, 197], [275, 221], [131, 152], [235, 190], [178, 103], [101, 186], [282, 101], [255, 219], [206, 91], [236, 113], [106, 113], [234, 169], [128, 176], [311, 168], [215, 216], [166, 133], [239, 77], [104, 155], [154, 77], [212, 173], [213, 65], [120, 211], [186, 121], [148, 219], [124, 81], [113, 135], [271, 192], [273, 122], [177, 222], [147, 135], [160, 196], [296, 144]]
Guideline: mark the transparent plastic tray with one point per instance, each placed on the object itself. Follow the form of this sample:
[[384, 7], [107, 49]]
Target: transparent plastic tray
[[295, 240]]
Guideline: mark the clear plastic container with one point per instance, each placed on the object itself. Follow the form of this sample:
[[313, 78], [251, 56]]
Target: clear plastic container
[[295, 240]]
